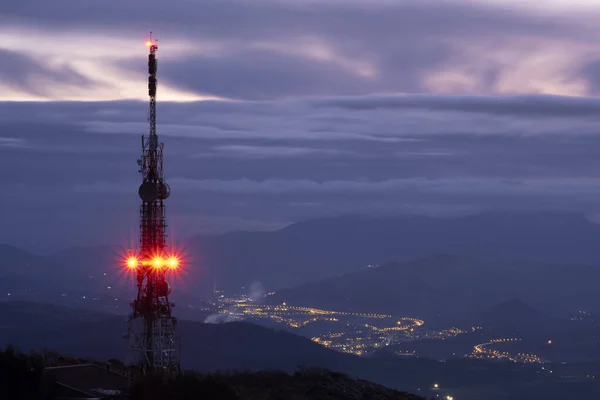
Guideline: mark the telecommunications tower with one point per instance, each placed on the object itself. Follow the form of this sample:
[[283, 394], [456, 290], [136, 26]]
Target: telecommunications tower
[[153, 339]]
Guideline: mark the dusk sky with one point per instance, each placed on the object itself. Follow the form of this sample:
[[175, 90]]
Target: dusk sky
[[274, 111]]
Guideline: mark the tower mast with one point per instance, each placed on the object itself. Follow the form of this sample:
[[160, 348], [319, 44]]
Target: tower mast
[[152, 333]]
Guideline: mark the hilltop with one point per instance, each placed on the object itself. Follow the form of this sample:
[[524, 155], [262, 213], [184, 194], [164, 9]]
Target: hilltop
[[305, 384], [35, 376]]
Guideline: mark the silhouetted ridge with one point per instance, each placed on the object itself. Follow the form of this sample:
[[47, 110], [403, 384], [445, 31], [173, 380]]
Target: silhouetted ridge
[[512, 313], [448, 289], [14, 261], [48, 376], [323, 248], [305, 384]]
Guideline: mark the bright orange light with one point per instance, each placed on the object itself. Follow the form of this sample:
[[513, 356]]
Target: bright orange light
[[148, 43], [157, 262], [173, 262], [132, 262]]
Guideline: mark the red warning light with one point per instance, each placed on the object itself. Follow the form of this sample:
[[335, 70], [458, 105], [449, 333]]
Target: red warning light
[[132, 263], [158, 262], [149, 43], [173, 262]]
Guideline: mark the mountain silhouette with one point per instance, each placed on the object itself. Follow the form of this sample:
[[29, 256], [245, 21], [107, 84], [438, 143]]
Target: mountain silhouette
[[324, 248], [512, 314], [449, 289]]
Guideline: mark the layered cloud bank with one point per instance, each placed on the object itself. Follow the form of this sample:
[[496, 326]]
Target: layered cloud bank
[[266, 49], [261, 164], [275, 110]]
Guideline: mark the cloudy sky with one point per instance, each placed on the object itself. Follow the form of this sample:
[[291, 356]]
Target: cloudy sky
[[275, 111]]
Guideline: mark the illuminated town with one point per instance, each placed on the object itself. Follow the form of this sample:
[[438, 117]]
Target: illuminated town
[[483, 351], [348, 332], [358, 333]]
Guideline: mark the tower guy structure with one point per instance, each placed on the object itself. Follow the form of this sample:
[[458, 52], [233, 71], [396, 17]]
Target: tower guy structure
[[152, 334]]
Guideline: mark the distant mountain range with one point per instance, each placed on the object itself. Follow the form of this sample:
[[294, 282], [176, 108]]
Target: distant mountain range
[[448, 289], [325, 248], [322, 248]]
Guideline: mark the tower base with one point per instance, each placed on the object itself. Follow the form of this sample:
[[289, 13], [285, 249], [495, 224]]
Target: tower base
[[154, 344]]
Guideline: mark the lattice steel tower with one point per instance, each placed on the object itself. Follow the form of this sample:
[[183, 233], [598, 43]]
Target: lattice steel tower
[[152, 333]]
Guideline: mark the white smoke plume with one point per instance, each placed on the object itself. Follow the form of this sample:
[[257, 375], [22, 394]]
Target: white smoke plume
[[257, 291], [219, 319]]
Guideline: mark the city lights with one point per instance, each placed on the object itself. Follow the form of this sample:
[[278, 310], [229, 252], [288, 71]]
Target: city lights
[[482, 351], [355, 333]]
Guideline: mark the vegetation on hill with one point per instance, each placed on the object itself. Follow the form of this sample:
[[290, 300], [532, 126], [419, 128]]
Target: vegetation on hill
[[22, 377], [311, 383]]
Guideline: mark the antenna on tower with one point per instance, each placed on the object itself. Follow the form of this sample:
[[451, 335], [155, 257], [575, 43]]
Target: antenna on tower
[[153, 339]]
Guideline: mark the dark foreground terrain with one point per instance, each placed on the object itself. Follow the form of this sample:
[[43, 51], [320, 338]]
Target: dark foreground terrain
[[303, 384], [34, 376]]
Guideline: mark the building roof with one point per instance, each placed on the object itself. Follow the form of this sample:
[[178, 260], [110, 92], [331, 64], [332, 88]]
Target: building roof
[[89, 380], [64, 392]]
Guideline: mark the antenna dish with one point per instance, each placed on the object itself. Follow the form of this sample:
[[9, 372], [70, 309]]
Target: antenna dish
[[164, 191], [148, 191], [164, 288]]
